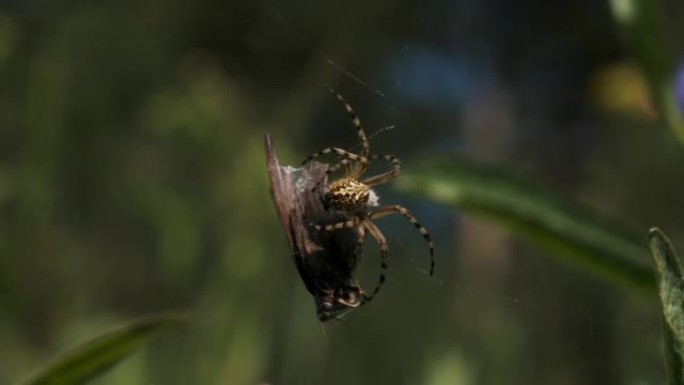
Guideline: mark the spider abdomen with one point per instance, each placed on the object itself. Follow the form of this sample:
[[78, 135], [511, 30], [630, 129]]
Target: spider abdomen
[[348, 194]]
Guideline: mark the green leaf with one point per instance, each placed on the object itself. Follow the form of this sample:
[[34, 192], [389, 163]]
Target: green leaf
[[571, 230], [644, 25], [672, 349], [671, 290], [100, 354]]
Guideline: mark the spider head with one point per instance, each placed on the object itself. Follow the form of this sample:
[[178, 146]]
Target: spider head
[[348, 194]]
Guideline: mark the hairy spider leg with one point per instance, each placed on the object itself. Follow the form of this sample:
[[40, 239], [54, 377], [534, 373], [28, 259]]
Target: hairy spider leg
[[396, 168], [350, 224], [384, 254], [387, 176], [365, 145], [376, 234], [361, 159], [396, 209], [342, 163]]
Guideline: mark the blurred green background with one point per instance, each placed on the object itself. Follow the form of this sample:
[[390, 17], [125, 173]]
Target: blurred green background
[[133, 181]]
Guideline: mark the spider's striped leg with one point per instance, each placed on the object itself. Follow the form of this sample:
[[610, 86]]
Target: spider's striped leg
[[345, 224], [384, 255], [352, 223], [343, 153], [358, 298], [378, 179], [396, 209], [342, 163], [357, 123], [387, 176], [336, 226]]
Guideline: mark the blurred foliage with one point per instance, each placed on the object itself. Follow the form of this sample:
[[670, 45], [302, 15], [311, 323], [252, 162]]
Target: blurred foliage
[[132, 180], [649, 29], [607, 247], [92, 358]]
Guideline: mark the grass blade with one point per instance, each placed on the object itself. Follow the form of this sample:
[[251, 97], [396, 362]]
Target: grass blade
[[671, 290], [100, 354], [604, 246]]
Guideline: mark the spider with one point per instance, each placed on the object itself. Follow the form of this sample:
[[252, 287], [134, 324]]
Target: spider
[[354, 196], [326, 261]]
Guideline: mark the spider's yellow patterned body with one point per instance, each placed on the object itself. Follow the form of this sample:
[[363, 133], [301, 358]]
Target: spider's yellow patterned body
[[348, 194]]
